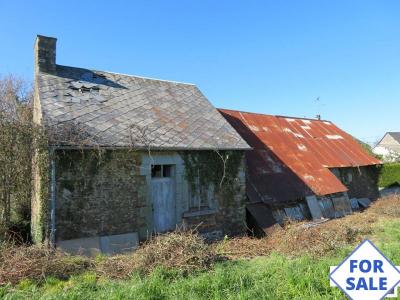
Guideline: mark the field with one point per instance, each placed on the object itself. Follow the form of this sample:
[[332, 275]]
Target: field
[[291, 264]]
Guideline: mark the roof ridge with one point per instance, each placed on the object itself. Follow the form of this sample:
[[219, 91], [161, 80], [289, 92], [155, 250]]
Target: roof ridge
[[131, 75], [148, 78], [270, 115]]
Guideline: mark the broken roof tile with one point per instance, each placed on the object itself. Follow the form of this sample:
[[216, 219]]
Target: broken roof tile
[[106, 104]]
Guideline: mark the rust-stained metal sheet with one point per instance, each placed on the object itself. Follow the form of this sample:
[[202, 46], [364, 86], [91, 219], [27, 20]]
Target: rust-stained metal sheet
[[292, 156]]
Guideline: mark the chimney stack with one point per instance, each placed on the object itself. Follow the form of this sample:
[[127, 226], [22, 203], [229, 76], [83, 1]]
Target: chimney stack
[[45, 54]]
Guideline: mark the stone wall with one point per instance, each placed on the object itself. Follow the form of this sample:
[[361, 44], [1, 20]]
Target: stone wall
[[229, 215], [99, 193], [362, 182]]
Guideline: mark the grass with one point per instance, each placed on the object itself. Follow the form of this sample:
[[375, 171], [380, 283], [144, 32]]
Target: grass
[[274, 277], [301, 275]]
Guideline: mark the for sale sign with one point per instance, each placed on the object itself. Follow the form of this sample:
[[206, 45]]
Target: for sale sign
[[366, 274]]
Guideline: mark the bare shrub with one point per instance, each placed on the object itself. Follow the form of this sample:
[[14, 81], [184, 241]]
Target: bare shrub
[[387, 206], [183, 251], [37, 263], [16, 137]]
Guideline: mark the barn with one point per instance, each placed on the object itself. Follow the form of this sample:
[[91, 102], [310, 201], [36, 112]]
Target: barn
[[302, 168]]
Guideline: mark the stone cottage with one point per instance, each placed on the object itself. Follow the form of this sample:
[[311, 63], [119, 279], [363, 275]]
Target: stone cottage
[[125, 157], [302, 168]]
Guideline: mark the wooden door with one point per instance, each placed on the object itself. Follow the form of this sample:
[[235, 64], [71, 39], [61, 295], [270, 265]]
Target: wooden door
[[163, 199]]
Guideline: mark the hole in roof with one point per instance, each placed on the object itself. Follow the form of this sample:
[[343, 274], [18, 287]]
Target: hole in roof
[[93, 77]]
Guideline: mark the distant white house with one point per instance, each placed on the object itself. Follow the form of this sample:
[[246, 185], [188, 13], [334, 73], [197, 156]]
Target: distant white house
[[389, 147]]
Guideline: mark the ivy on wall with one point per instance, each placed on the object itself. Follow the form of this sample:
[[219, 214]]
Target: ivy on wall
[[211, 167], [41, 191], [86, 163]]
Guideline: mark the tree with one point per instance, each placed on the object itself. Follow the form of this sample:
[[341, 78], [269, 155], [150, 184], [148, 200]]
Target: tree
[[16, 136]]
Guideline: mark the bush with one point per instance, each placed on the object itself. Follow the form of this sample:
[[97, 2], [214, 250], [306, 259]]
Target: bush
[[390, 175]]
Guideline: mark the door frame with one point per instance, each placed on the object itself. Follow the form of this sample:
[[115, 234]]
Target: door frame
[[159, 158], [172, 181]]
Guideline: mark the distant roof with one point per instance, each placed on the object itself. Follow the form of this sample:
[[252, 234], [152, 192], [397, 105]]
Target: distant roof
[[395, 135], [291, 156], [98, 108]]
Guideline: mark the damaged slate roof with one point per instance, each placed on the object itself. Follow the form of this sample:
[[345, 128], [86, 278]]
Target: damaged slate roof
[[95, 108], [292, 156]]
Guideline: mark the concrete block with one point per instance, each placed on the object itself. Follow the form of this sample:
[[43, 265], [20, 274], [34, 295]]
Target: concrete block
[[84, 246], [113, 244]]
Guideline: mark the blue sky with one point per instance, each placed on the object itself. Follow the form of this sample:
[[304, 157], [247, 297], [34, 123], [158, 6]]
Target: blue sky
[[273, 57]]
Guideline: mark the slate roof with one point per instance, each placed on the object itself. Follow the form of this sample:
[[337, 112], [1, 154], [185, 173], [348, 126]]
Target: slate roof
[[96, 108], [291, 157]]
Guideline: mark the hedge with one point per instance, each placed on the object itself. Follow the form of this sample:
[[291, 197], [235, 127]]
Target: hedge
[[390, 175]]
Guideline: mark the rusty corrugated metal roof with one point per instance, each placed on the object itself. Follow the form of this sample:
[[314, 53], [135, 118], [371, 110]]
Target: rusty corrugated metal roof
[[292, 156]]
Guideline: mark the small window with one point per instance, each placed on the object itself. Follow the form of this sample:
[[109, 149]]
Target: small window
[[156, 171], [201, 197], [160, 171], [167, 170]]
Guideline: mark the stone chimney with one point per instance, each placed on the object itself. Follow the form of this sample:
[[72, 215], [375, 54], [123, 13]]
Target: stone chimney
[[45, 54]]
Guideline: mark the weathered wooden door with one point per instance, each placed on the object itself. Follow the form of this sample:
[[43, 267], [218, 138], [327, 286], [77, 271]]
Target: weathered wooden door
[[163, 198]]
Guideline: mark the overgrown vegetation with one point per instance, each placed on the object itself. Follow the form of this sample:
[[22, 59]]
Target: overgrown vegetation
[[216, 169], [37, 263], [390, 175], [17, 133], [180, 265], [212, 167], [184, 251]]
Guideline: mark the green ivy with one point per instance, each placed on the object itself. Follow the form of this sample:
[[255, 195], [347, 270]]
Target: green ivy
[[389, 175], [41, 161], [208, 167]]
